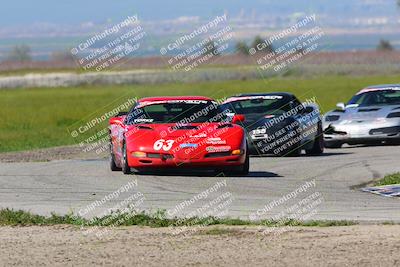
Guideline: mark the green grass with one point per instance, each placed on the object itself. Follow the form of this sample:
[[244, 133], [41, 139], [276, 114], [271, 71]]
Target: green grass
[[156, 219], [43, 117], [389, 179]]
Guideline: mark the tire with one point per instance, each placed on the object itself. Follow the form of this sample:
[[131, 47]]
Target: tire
[[245, 168], [318, 146], [125, 167], [333, 144], [296, 152], [113, 166], [241, 170]]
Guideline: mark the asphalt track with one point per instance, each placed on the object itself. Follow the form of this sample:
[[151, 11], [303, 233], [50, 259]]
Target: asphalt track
[[72, 185]]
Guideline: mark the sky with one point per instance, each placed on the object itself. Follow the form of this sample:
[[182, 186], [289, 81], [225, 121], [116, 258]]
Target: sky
[[25, 12]]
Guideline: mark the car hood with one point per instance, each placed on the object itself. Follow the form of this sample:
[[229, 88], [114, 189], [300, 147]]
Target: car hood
[[360, 114]]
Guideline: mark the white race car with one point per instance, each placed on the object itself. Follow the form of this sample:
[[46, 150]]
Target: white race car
[[371, 116]]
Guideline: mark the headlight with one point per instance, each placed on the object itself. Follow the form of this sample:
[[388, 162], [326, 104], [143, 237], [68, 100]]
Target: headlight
[[138, 154], [394, 115], [237, 152]]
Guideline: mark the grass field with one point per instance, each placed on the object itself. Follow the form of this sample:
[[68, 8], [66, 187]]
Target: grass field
[[44, 117], [389, 179]]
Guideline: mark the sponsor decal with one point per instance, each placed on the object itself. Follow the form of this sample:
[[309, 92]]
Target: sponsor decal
[[259, 131], [189, 101], [243, 98], [215, 141], [143, 120], [198, 136], [188, 145], [218, 148]]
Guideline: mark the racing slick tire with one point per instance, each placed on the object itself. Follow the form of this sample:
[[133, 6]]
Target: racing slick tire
[[333, 144], [113, 166], [125, 167], [318, 146], [294, 152], [245, 168], [242, 170]]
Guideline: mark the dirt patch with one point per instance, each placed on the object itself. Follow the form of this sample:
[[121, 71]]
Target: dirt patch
[[48, 154], [363, 245]]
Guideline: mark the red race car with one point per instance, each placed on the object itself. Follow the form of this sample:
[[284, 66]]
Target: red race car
[[189, 131]]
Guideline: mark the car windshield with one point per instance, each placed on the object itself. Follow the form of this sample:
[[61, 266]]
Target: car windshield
[[259, 105], [373, 98], [176, 111]]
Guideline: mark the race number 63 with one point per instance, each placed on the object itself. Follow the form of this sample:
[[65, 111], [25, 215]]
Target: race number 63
[[163, 144]]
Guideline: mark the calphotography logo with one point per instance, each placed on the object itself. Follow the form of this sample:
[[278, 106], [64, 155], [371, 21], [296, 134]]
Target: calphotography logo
[[202, 209], [111, 46], [201, 46], [300, 40], [200, 133], [92, 134], [298, 205], [110, 211]]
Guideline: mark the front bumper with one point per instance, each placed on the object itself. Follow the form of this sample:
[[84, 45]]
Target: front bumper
[[359, 133], [173, 162]]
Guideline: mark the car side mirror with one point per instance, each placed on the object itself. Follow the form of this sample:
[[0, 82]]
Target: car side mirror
[[308, 110], [116, 120], [238, 118], [341, 106]]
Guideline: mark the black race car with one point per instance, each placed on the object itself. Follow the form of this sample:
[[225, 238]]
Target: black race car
[[278, 123]]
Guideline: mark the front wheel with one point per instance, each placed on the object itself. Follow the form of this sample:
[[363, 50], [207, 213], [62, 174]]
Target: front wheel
[[333, 144], [245, 168], [113, 166], [294, 152], [242, 170], [125, 167], [318, 146]]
